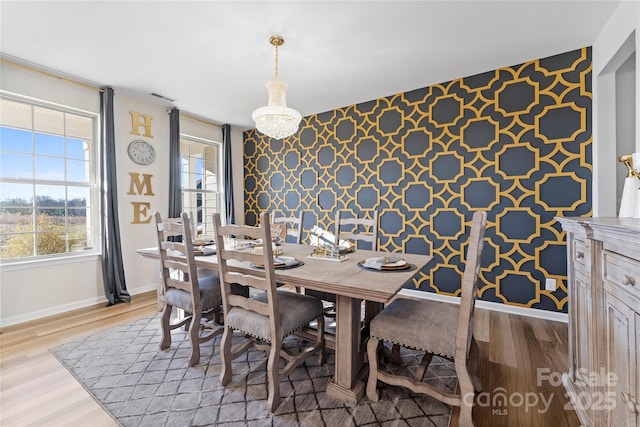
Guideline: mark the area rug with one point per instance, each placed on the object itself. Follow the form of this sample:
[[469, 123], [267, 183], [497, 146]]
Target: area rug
[[140, 385]]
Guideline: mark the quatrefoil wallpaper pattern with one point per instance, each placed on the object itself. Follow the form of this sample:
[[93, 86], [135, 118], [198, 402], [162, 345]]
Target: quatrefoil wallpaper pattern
[[515, 142]]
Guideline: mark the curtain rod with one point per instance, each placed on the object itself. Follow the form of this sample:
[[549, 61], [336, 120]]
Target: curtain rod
[[48, 74], [188, 116]]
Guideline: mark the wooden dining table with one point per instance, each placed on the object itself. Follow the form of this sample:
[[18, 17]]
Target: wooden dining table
[[352, 285]]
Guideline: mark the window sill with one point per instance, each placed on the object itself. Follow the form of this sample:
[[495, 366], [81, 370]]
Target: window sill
[[41, 263]]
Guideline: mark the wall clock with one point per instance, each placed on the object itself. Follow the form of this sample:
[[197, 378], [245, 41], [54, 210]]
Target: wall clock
[[141, 152]]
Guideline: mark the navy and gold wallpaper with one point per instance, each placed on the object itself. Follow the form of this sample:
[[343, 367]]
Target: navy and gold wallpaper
[[515, 142]]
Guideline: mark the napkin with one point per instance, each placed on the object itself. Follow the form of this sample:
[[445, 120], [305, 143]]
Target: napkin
[[378, 262], [289, 262], [204, 250]]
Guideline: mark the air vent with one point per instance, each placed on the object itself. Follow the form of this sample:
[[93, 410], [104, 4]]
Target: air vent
[[157, 95]]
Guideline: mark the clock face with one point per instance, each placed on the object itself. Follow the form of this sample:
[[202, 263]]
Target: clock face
[[141, 152]]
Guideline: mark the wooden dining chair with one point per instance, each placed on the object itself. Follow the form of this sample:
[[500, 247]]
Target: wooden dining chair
[[425, 325], [294, 225], [199, 297], [354, 229], [357, 229], [267, 317]]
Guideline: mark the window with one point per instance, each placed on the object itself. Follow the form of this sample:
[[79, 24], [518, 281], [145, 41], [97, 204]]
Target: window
[[48, 188], [201, 181]]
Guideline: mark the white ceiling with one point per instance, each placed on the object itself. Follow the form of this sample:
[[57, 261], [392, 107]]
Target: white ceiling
[[213, 57]]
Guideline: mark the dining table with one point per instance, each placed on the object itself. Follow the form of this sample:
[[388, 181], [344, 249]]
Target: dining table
[[353, 284]]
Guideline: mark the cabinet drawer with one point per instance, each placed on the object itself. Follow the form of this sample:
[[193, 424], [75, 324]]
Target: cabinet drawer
[[579, 255], [621, 274]]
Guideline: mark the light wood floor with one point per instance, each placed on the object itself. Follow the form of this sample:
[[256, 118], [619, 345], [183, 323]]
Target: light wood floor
[[36, 390]]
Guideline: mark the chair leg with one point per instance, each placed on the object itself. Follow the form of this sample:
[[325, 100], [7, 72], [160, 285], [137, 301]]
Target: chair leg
[[273, 375], [372, 382], [474, 357], [166, 329], [218, 316], [465, 419], [422, 368], [320, 341], [194, 338], [467, 394], [395, 354], [225, 355]]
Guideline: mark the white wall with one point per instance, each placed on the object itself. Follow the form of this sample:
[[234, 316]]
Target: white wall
[[38, 289], [616, 42], [31, 290], [140, 274]]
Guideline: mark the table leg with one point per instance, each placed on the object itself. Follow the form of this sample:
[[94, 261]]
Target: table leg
[[349, 381]]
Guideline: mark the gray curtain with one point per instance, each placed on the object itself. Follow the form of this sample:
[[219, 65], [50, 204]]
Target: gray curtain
[[115, 288], [228, 175], [175, 196]]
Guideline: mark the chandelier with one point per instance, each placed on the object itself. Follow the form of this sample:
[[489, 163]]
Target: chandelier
[[276, 120]]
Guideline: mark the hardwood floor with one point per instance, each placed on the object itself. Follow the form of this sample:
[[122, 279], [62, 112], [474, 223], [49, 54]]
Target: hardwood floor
[[517, 355], [36, 390]]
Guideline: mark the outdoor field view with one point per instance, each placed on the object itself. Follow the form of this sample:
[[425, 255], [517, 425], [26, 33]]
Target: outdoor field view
[[46, 181]]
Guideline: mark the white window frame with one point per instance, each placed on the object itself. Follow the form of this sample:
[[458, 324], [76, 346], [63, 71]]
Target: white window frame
[[93, 220], [204, 225]]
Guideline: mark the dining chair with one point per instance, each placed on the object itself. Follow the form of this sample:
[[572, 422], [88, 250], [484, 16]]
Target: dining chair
[[357, 229], [353, 229], [430, 324], [294, 225], [199, 297], [267, 317]]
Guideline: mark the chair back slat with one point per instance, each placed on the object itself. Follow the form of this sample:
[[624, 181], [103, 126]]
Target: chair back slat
[[255, 281], [261, 308], [246, 255], [259, 279], [173, 246], [179, 284], [177, 264], [355, 224], [470, 277], [242, 231]]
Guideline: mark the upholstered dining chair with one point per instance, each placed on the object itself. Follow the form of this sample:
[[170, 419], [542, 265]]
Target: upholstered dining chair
[[267, 317], [430, 323], [199, 297], [294, 224]]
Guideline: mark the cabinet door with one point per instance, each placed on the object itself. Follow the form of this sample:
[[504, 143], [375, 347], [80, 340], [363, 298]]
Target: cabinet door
[[622, 359], [582, 325]]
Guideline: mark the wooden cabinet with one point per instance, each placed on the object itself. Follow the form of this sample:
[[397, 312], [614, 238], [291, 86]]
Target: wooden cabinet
[[603, 260]]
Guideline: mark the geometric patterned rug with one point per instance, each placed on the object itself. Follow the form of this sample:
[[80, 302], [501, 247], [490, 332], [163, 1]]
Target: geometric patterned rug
[[141, 385]]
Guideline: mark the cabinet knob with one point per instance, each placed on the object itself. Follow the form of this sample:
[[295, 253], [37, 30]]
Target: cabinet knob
[[629, 280], [579, 254]]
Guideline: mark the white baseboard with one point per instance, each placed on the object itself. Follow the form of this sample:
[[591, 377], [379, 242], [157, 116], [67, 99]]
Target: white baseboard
[[494, 306], [39, 314]]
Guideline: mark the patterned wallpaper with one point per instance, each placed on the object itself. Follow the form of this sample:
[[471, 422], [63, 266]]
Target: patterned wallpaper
[[514, 141]]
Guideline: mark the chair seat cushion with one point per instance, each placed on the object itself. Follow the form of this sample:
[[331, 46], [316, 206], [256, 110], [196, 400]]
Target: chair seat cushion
[[419, 324], [210, 295], [296, 311]]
